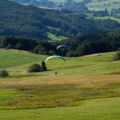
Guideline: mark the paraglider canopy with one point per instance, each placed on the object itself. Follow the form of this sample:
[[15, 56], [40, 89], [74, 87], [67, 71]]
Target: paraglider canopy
[[55, 56], [62, 46]]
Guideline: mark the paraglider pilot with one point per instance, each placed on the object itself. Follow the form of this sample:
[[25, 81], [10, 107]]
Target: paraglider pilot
[[55, 73]]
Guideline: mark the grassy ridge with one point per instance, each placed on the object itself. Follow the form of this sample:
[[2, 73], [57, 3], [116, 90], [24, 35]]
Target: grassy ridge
[[13, 58], [85, 87], [17, 63]]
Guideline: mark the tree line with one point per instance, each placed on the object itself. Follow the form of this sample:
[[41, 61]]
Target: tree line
[[82, 45]]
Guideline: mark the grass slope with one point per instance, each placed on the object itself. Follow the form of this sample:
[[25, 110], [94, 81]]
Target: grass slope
[[85, 87], [13, 58]]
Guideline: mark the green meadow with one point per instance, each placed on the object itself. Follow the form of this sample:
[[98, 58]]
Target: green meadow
[[102, 17], [54, 37], [102, 5], [86, 87]]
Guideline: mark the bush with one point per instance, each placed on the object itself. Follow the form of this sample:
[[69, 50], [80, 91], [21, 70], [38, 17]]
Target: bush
[[35, 68], [118, 49], [4, 73], [117, 56], [43, 66]]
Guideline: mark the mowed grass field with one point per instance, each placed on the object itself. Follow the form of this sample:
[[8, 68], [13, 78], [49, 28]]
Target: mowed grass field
[[86, 87]]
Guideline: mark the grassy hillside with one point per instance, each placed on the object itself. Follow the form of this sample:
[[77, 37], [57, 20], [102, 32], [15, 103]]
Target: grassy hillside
[[99, 63], [14, 58], [85, 87]]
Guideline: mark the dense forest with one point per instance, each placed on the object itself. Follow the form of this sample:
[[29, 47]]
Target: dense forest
[[82, 45], [33, 22]]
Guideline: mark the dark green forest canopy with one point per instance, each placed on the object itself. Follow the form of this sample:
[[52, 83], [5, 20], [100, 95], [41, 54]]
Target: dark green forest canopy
[[33, 22], [83, 45]]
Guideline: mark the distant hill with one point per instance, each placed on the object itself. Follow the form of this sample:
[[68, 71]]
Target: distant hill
[[96, 7], [38, 3], [29, 21], [70, 5], [83, 45]]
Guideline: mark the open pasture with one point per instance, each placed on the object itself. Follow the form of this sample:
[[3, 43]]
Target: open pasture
[[86, 87], [103, 17], [54, 37], [102, 5]]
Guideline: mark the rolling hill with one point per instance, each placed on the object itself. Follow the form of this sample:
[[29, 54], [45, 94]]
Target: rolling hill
[[29, 21], [87, 86]]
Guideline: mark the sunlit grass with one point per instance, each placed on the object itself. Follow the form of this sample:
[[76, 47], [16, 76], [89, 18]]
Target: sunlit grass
[[91, 112], [18, 66], [8, 94], [45, 96], [108, 4], [13, 58], [103, 17], [84, 85], [54, 37]]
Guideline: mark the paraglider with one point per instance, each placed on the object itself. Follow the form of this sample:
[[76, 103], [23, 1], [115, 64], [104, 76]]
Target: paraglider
[[62, 46], [55, 56]]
